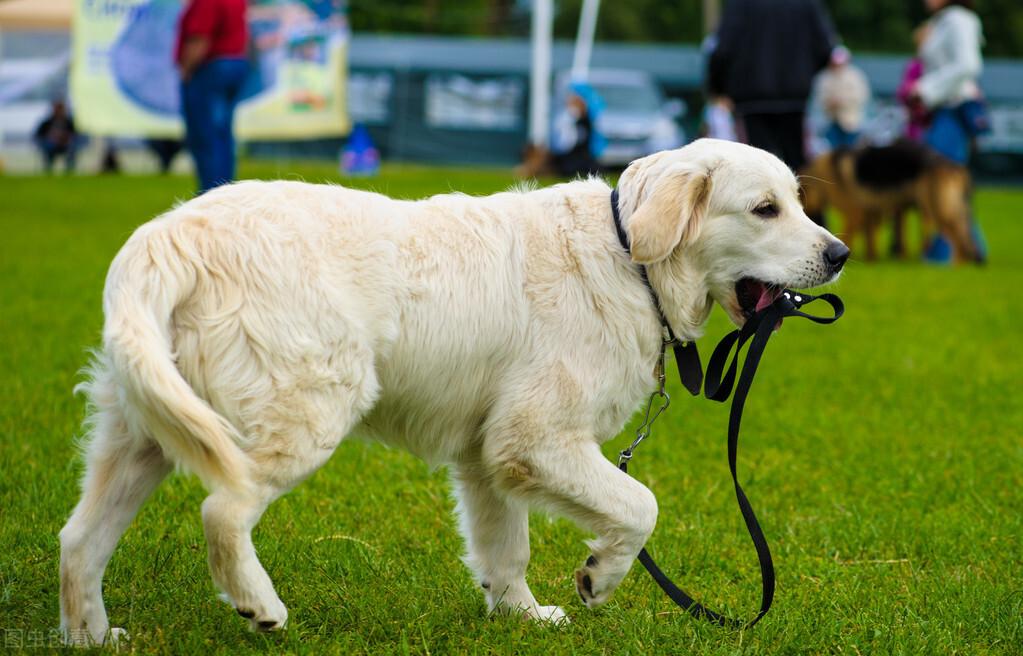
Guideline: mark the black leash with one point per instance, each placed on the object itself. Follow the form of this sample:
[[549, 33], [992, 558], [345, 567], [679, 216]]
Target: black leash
[[719, 386]]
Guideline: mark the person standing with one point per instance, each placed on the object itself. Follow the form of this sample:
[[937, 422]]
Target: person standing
[[767, 54], [573, 135], [918, 117], [211, 59], [949, 89], [718, 113], [844, 93]]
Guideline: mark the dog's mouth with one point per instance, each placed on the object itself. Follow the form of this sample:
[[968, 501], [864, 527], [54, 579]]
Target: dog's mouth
[[754, 295]]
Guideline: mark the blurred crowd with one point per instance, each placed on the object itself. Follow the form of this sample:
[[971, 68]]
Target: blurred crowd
[[768, 57], [771, 65], [761, 73]]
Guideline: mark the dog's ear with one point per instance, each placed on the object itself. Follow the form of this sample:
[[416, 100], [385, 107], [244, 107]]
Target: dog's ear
[[670, 214]]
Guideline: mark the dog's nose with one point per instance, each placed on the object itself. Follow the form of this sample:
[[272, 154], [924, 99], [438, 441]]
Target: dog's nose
[[835, 255]]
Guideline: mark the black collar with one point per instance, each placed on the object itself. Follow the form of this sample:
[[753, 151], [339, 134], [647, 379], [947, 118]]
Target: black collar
[[686, 356], [623, 239]]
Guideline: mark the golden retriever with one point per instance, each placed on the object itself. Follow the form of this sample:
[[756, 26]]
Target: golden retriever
[[250, 330]]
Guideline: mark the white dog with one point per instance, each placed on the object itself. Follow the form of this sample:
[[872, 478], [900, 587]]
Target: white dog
[[250, 330]]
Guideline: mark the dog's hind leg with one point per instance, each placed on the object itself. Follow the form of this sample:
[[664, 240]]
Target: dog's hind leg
[[301, 441], [946, 203], [496, 530], [898, 245], [228, 519], [121, 472]]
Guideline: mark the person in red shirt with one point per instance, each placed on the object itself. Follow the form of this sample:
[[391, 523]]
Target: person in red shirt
[[211, 58]]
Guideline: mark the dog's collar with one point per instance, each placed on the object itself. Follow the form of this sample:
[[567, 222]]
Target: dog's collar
[[686, 356], [623, 239]]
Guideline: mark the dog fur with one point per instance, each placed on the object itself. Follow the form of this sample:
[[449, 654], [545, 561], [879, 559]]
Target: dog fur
[[250, 330], [871, 183]]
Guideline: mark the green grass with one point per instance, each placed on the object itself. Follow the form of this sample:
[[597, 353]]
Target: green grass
[[883, 453]]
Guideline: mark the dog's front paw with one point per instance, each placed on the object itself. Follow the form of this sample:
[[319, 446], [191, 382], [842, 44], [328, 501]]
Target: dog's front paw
[[262, 617], [265, 621], [596, 580]]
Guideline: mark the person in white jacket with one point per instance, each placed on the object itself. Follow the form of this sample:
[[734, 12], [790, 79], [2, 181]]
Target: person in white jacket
[[952, 65], [949, 88]]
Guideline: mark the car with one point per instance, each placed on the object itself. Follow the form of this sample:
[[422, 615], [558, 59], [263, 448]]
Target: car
[[636, 119]]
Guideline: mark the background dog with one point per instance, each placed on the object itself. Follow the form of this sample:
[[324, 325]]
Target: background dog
[[250, 330], [871, 183]]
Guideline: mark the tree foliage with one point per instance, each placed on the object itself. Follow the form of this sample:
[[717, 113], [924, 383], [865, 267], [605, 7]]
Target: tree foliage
[[864, 25], [887, 25]]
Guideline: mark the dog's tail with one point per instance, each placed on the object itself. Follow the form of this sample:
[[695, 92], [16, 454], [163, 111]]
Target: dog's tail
[[155, 271]]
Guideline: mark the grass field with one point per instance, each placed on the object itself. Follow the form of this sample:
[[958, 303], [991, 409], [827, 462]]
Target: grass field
[[884, 455]]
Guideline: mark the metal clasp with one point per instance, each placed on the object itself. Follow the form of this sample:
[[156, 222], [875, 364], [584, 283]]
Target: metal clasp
[[651, 414]]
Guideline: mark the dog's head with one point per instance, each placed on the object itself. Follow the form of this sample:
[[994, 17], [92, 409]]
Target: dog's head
[[722, 221]]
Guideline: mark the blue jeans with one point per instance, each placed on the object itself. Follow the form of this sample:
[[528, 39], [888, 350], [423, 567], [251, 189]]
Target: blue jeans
[[208, 100], [51, 150], [838, 136], [948, 136]]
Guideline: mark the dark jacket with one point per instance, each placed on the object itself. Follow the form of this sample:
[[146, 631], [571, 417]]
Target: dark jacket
[[58, 130], [768, 52]]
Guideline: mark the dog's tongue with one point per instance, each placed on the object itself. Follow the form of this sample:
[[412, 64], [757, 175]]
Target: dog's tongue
[[766, 298]]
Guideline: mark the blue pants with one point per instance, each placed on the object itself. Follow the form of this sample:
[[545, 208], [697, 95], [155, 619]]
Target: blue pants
[[51, 150], [948, 136], [208, 100], [838, 136]]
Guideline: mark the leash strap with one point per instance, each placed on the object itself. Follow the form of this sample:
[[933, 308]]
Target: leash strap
[[719, 384], [758, 328]]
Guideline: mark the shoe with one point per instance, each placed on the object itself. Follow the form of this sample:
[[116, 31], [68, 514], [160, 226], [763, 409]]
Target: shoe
[[939, 251]]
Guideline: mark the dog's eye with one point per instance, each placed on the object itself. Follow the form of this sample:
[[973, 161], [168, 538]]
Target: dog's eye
[[766, 210]]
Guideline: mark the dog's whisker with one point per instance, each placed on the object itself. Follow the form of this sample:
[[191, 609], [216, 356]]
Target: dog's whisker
[[807, 176]]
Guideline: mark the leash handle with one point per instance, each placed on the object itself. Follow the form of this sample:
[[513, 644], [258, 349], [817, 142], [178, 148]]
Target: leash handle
[[719, 384], [799, 299]]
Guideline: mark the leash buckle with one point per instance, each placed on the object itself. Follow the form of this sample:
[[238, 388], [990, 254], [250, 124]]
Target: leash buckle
[[651, 414]]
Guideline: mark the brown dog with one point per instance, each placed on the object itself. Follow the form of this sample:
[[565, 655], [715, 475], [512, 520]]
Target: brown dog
[[867, 184]]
